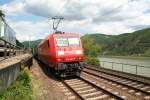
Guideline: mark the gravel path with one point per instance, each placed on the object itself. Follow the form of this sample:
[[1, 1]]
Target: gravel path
[[44, 84]]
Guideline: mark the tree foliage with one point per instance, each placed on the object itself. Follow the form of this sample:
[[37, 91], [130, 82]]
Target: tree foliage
[[33, 44], [91, 50], [147, 53], [90, 46]]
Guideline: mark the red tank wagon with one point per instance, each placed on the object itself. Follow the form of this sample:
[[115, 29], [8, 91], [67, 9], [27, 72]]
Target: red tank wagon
[[63, 52]]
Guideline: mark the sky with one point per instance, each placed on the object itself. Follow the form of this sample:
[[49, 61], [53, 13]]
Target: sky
[[30, 19]]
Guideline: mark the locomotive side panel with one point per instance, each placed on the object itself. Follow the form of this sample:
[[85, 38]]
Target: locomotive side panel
[[52, 53], [44, 51]]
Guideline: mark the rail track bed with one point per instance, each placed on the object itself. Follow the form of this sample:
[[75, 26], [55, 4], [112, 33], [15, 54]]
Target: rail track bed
[[124, 87], [91, 85], [85, 89], [67, 91]]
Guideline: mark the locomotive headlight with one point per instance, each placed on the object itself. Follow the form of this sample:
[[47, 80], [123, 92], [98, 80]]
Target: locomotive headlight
[[60, 60], [60, 52], [78, 52]]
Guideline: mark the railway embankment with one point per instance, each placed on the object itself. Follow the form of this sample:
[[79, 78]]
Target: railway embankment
[[121, 74], [10, 69]]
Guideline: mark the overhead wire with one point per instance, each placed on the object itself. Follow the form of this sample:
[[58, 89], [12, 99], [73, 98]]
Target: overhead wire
[[58, 14]]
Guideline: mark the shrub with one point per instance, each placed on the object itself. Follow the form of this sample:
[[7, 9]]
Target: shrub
[[20, 90], [147, 53], [92, 61]]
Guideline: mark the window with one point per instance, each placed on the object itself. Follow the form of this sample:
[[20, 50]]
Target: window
[[73, 41], [62, 41], [67, 41]]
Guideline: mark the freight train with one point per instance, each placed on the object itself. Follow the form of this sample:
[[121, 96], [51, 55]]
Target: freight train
[[62, 52]]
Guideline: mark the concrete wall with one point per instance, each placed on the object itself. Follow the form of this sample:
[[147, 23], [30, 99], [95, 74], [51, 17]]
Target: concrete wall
[[10, 73]]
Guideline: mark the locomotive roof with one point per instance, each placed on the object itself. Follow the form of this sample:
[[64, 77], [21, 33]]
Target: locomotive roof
[[66, 34]]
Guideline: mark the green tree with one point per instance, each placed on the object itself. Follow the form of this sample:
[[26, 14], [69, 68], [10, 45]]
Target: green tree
[[90, 47], [91, 50]]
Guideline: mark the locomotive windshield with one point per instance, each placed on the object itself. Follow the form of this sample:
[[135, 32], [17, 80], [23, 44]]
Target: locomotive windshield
[[67, 41], [62, 41]]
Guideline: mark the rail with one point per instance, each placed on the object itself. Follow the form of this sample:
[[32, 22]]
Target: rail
[[129, 68], [8, 50]]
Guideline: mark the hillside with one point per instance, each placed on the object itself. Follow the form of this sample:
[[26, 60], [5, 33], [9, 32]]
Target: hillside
[[33, 44], [136, 43], [103, 39], [18, 43]]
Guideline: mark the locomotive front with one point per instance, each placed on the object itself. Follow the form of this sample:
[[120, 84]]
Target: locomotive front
[[69, 54]]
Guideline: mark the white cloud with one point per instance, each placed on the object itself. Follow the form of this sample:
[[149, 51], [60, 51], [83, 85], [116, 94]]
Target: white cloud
[[82, 16], [45, 8], [111, 27], [13, 8], [26, 30]]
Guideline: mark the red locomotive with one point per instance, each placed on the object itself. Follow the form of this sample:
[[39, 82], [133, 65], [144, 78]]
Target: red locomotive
[[63, 52]]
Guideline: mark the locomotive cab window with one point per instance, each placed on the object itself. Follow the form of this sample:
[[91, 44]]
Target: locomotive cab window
[[67, 41], [61, 41], [73, 41]]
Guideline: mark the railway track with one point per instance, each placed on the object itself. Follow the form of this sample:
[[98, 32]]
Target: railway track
[[67, 91], [121, 85], [96, 85], [86, 90]]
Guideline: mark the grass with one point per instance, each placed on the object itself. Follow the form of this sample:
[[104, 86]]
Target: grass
[[20, 90]]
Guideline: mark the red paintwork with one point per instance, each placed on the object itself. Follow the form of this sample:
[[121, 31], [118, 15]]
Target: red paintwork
[[50, 55]]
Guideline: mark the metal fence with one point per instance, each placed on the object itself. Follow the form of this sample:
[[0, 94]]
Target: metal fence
[[8, 46], [6, 32], [129, 68]]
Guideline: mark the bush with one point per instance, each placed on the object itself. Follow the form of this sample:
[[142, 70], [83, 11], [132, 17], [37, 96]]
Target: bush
[[90, 47], [20, 90], [147, 53], [91, 50], [92, 61]]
